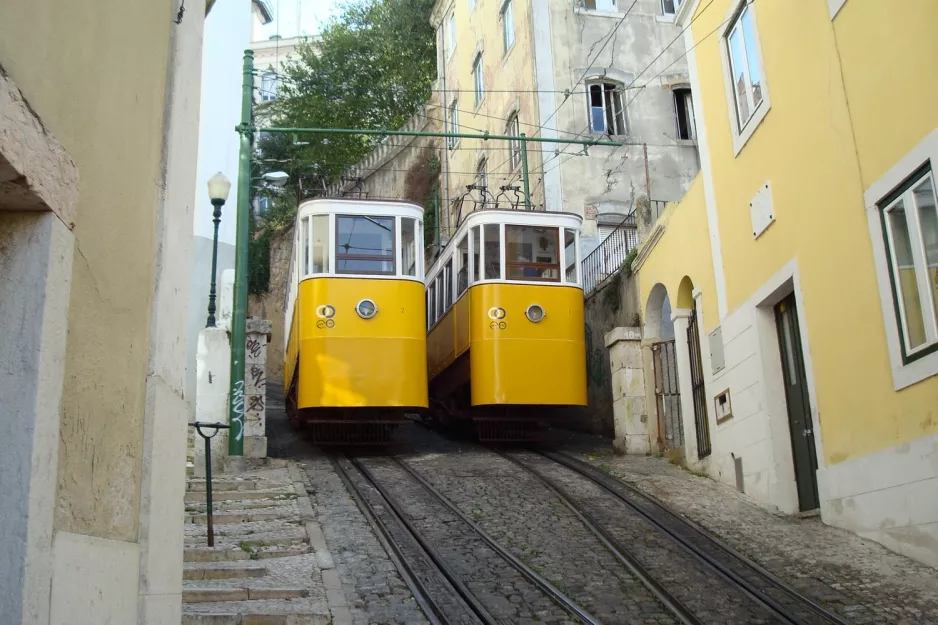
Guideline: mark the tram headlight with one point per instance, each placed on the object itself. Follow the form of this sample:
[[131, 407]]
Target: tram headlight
[[534, 313], [366, 309]]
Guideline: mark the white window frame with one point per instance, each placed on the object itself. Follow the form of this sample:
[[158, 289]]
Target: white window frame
[[905, 371], [598, 9], [617, 99], [453, 119], [270, 84], [507, 16], [677, 7], [688, 96], [478, 79], [482, 172], [450, 35], [741, 135]]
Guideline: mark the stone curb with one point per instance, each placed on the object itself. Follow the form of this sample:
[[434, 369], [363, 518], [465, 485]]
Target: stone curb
[[338, 604]]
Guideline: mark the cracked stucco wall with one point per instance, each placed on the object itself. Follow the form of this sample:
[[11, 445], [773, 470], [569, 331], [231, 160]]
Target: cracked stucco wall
[[611, 179]]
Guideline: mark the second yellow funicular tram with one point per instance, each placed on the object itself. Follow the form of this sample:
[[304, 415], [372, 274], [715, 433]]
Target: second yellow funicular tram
[[505, 344]]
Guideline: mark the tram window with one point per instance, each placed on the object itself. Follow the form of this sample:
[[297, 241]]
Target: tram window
[[532, 253], [448, 281], [476, 245], [440, 293], [569, 254], [409, 246], [431, 304], [304, 245], [320, 244], [493, 253], [462, 262], [364, 244]]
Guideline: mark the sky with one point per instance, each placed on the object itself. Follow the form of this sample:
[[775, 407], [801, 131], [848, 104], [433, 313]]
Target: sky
[[297, 17]]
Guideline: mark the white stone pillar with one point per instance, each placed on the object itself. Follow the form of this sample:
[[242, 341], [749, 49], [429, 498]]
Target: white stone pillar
[[628, 390]]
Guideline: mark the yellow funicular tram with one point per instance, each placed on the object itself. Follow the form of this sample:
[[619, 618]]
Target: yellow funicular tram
[[505, 344], [355, 353]]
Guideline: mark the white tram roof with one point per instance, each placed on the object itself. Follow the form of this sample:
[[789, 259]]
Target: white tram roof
[[355, 206], [544, 219]]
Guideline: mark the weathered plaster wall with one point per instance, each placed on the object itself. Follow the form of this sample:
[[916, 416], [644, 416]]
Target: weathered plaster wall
[[269, 305], [613, 305], [509, 84], [64, 58], [610, 179], [36, 265]]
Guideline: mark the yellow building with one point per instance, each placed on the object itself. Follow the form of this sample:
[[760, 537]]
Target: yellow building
[[803, 261], [99, 113]]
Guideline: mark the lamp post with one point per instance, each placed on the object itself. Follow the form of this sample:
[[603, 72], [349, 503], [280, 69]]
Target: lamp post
[[218, 188]]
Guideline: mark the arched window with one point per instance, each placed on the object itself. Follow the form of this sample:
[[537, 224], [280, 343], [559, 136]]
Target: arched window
[[269, 86], [482, 174], [606, 112]]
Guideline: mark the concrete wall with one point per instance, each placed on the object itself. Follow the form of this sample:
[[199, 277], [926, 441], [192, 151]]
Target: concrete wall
[[122, 410], [613, 305], [199, 284], [610, 179]]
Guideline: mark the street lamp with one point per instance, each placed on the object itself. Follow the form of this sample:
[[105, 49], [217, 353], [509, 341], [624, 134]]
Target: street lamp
[[218, 187], [276, 178]]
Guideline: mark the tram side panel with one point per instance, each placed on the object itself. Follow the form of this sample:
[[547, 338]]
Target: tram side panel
[[292, 352], [514, 361], [350, 362]]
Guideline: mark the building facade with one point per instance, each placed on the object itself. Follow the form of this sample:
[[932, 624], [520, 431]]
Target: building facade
[[800, 265], [98, 170], [575, 70]]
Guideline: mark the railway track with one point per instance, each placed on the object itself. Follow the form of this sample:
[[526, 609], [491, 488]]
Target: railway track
[[696, 559], [457, 572]]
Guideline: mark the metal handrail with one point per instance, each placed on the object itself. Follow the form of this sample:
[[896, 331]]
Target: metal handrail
[[609, 256]]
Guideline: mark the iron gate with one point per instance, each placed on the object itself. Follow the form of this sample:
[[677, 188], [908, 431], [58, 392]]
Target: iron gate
[[667, 396], [697, 383]]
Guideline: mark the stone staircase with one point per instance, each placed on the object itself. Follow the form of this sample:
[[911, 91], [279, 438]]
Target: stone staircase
[[262, 569]]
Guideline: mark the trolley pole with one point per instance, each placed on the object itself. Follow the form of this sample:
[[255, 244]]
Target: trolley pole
[[524, 171], [239, 312]]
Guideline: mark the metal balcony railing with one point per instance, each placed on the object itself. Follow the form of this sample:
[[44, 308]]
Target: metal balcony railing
[[607, 259]]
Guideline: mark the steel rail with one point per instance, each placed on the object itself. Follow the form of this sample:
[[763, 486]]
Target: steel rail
[[601, 479], [672, 604], [548, 588], [433, 611], [434, 555]]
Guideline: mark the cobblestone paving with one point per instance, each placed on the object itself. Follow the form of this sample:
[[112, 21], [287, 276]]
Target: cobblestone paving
[[521, 514], [501, 588], [860, 579], [374, 589], [439, 590]]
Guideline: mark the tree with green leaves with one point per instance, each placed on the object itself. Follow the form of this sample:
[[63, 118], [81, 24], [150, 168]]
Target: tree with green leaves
[[372, 69]]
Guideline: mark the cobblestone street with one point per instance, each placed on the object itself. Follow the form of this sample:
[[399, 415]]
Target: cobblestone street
[[506, 496]]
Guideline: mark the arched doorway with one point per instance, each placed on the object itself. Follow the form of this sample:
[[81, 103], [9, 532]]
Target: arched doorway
[[660, 328]]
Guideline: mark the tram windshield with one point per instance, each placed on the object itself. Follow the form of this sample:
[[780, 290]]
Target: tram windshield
[[364, 245], [532, 253]]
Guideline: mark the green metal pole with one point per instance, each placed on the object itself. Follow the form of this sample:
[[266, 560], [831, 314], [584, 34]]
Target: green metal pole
[[524, 172], [239, 312]]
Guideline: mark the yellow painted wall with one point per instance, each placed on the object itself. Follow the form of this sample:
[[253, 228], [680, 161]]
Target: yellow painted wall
[[805, 148], [683, 250], [889, 87], [509, 82], [95, 72]]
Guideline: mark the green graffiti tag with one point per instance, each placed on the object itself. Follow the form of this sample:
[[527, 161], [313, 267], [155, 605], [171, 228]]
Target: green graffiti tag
[[595, 369]]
